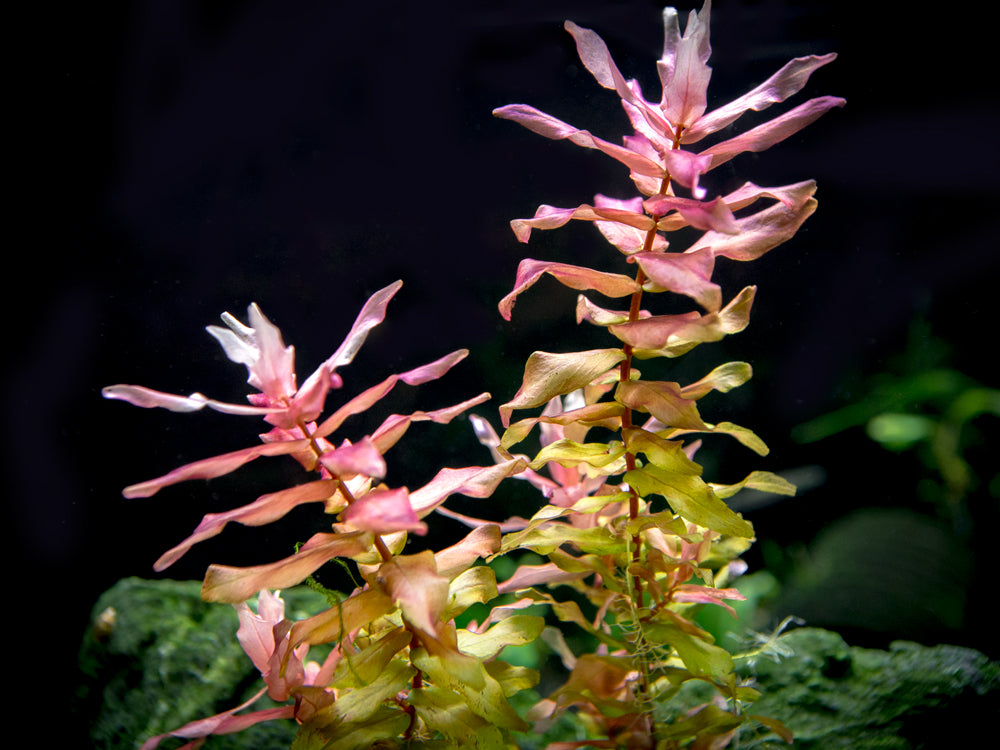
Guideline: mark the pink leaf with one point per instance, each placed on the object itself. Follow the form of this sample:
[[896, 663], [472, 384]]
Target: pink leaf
[[417, 588], [550, 127], [683, 67], [783, 84], [758, 233], [575, 277], [372, 313], [147, 398], [210, 468], [227, 584], [471, 481], [349, 460], [689, 274], [383, 512], [774, 131], [266, 509], [224, 723]]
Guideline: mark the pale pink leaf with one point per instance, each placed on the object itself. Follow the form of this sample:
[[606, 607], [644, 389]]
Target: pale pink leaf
[[758, 233], [530, 271], [372, 313], [147, 398], [683, 67], [689, 274], [774, 131], [471, 481], [783, 84], [383, 512], [481, 542], [210, 468], [351, 459], [266, 509]]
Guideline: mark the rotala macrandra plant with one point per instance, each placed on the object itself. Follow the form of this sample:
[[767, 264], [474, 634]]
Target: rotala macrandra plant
[[631, 528], [636, 538], [399, 669]]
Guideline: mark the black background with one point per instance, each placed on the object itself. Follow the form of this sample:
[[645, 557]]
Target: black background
[[184, 158]]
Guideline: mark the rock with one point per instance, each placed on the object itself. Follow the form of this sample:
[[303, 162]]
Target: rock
[[833, 696], [164, 658]]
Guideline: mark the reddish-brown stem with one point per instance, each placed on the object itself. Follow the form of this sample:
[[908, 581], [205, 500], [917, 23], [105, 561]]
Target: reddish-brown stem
[[380, 547]]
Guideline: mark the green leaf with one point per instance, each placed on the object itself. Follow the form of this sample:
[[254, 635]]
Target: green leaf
[[569, 453], [545, 538], [360, 704], [516, 630], [549, 375], [445, 712], [486, 699], [668, 455], [476, 585], [362, 668], [690, 498], [764, 481], [386, 723], [723, 379], [355, 612]]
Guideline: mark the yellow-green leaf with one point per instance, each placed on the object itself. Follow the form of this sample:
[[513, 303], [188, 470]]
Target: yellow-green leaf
[[764, 481], [548, 375], [515, 630], [690, 498]]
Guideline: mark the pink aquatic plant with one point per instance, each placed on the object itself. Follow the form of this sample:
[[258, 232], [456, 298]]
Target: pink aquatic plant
[[642, 536], [635, 540]]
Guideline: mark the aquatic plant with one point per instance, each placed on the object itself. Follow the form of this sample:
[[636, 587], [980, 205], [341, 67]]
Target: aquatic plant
[[636, 539]]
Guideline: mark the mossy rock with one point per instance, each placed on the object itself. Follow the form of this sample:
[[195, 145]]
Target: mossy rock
[[833, 696], [169, 658]]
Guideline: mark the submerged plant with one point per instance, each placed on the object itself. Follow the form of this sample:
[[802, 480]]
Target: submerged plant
[[399, 667], [632, 529], [636, 539]]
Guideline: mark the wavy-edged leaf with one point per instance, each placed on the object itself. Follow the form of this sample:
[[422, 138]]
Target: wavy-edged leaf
[[477, 585], [358, 610], [569, 453], [544, 538], [417, 588], [547, 375], [673, 335], [580, 278], [764, 481], [265, 509], [722, 379], [691, 498], [662, 400], [516, 630], [482, 694], [606, 414], [445, 712], [668, 455], [228, 584]]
